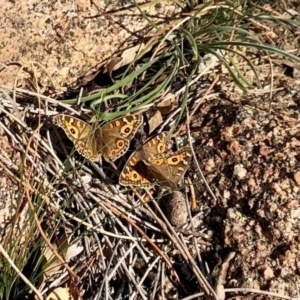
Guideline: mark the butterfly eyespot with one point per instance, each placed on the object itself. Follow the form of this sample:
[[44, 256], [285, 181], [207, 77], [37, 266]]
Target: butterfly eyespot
[[157, 162], [127, 130], [174, 159], [81, 145], [120, 143]]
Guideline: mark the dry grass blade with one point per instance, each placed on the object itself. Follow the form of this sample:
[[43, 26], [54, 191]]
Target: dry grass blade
[[6, 256]]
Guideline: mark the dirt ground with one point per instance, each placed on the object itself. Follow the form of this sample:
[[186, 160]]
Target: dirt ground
[[248, 146], [66, 41]]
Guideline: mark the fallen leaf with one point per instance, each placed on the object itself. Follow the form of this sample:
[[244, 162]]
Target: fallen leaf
[[154, 119], [88, 78], [60, 293], [114, 64], [126, 58], [73, 251], [167, 104], [51, 262]]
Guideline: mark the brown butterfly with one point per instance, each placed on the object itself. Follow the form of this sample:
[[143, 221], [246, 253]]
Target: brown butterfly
[[110, 140], [152, 164]]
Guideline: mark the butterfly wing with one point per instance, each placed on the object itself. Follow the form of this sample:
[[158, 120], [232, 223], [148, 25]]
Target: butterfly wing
[[135, 171], [168, 169], [117, 134], [154, 146], [81, 134]]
